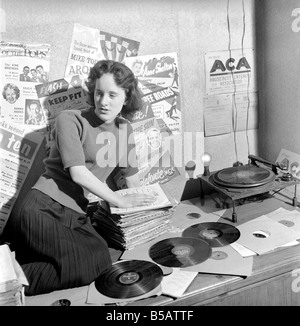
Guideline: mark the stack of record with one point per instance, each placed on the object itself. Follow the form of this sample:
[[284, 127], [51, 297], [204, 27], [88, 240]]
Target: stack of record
[[128, 230]]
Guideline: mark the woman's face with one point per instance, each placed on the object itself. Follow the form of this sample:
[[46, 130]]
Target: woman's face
[[10, 95], [109, 98]]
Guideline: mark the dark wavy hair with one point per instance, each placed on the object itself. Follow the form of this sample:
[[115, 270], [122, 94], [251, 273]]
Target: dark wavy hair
[[124, 78]]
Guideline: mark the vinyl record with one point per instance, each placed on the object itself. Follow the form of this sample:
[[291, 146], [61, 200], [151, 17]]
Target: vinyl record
[[243, 176], [180, 252], [129, 278], [215, 233]]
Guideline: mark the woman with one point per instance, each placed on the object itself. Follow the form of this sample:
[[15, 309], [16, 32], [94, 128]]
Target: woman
[[58, 246], [11, 93]]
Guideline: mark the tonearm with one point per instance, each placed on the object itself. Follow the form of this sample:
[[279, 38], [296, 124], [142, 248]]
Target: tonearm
[[253, 159]]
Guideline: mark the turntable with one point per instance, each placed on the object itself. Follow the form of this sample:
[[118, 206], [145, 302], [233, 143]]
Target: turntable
[[242, 181]]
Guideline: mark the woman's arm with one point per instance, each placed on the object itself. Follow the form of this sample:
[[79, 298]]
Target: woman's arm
[[83, 177]]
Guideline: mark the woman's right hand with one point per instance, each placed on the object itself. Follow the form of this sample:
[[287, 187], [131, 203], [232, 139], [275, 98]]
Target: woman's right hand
[[133, 200]]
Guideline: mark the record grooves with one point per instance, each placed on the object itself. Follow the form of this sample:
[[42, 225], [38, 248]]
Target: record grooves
[[215, 233], [180, 252], [243, 177], [129, 278]]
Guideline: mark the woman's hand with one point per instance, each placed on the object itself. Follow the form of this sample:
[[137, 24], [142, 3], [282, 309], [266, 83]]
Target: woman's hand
[[132, 200]]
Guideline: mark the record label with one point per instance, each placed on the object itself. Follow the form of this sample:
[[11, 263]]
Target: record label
[[129, 278], [180, 252], [193, 215], [218, 255], [287, 223], [215, 233]]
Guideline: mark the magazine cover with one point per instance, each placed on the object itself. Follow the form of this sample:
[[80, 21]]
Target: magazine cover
[[18, 151], [160, 121], [59, 95], [23, 66], [158, 79], [84, 52]]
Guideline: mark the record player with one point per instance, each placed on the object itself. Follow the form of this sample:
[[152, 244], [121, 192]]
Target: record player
[[257, 177]]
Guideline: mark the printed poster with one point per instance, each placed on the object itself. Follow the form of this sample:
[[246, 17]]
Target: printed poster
[[89, 45], [18, 151], [59, 95], [245, 107], [155, 163], [117, 48], [217, 114], [230, 71], [225, 113], [84, 52], [23, 66], [158, 79]]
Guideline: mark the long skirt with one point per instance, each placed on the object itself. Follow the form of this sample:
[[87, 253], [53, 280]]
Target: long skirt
[[57, 247]]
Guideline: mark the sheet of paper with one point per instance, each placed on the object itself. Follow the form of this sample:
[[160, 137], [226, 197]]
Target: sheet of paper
[[245, 111], [217, 114], [7, 271], [177, 282]]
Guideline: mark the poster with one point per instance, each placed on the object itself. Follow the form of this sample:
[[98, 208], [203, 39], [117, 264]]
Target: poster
[[84, 51], [116, 47], [89, 45], [217, 114], [59, 95], [230, 71], [225, 113], [18, 150], [160, 120], [23, 66], [158, 79], [245, 107]]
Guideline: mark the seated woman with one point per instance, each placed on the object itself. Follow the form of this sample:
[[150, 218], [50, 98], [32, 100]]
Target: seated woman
[[56, 243]]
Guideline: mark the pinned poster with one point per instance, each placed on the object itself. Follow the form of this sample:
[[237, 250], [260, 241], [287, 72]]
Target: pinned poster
[[84, 51], [158, 79], [116, 47], [17, 153], [59, 95], [22, 67], [89, 45], [230, 71]]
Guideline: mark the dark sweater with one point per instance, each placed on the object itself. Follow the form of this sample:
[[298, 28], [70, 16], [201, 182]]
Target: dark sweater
[[81, 138]]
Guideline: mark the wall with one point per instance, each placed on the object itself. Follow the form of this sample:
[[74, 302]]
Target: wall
[[278, 49], [191, 28]]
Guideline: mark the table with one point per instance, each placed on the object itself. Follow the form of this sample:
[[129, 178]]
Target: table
[[275, 279]]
